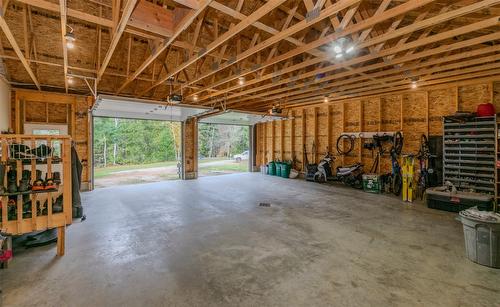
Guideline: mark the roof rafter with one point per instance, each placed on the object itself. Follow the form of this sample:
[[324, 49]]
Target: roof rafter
[[259, 13], [183, 25], [17, 50], [377, 40]]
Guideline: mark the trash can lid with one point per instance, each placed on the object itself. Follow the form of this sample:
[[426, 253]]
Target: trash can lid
[[480, 216]]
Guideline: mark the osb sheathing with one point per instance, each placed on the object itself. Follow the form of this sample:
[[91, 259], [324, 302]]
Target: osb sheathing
[[413, 112]]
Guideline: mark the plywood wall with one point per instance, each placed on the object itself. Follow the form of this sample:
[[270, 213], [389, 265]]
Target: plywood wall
[[414, 113], [52, 108]]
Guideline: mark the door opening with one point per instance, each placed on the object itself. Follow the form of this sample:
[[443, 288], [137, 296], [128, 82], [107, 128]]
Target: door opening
[[223, 149], [133, 151]]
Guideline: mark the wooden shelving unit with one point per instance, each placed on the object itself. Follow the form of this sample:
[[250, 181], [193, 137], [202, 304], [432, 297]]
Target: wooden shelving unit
[[469, 154], [59, 160]]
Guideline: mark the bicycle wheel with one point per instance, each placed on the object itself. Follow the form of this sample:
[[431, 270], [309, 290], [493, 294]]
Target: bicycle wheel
[[397, 184]]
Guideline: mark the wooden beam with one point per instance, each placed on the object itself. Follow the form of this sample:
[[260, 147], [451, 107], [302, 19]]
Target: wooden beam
[[17, 50], [268, 95], [280, 36], [192, 4], [152, 18], [259, 13], [127, 11], [63, 10], [401, 9], [184, 24], [389, 35], [434, 38]]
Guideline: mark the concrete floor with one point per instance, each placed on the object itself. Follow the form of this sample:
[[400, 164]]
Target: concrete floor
[[208, 243]]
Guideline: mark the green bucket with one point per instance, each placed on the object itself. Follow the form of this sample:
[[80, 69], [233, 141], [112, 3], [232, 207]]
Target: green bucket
[[278, 169], [272, 168], [285, 170]]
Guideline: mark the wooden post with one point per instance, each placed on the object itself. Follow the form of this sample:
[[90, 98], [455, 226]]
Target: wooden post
[[379, 129], [315, 133], [427, 112], [264, 143], [361, 127], [304, 146], [273, 136], [343, 129], [61, 240], [329, 128], [292, 136], [282, 136]]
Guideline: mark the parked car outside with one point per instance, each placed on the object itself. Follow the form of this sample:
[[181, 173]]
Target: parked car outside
[[242, 156]]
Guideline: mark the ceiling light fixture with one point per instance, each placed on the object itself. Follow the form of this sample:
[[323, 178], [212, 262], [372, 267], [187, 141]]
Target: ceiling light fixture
[[241, 80], [70, 38], [195, 97], [70, 80], [337, 49], [349, 49], [414, 81], [325, 99], [339, 55]]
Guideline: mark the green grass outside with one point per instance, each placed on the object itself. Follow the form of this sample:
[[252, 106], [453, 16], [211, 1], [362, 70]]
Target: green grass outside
[[110, 170], [229, 167]]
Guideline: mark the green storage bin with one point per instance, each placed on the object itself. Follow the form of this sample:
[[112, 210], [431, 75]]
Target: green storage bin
[[272, 168], [285, 170], [371, 183], [278, 169]]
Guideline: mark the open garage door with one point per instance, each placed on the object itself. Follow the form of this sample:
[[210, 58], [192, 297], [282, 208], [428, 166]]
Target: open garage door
[[225, 142], [137, 141]]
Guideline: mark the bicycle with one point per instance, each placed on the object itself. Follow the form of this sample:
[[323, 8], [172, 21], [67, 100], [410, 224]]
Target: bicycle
[[423, 156]]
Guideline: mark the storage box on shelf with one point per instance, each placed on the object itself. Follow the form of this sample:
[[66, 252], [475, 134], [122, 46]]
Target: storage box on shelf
[[469, 158], [35, 193]]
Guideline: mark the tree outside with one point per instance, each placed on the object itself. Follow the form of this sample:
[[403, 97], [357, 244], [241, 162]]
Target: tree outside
[[128, 151], [221, 149]]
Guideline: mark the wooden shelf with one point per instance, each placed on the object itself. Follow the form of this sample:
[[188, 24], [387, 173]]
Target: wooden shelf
[[52, 219], [29, 192]]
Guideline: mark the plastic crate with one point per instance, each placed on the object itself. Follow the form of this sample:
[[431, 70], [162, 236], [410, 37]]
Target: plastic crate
[[456, 202], [371, 183]]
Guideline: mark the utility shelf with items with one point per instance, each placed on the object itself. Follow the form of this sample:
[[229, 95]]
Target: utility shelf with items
[[35, 184], [469, 146]]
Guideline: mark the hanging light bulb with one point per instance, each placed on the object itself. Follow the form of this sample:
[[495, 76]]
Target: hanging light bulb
[[338, 56], [325, 99], [414, 81], [70, 80], [349, 49], [70, 39], [195, 97], [241, 80], [337, 49]]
